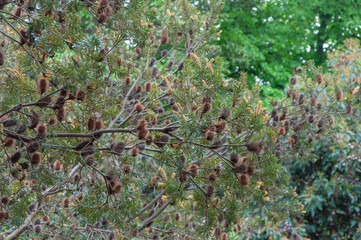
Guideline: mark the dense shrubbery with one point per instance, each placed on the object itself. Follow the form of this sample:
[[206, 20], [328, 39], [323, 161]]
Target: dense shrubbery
[[330, 186], [128, 130]]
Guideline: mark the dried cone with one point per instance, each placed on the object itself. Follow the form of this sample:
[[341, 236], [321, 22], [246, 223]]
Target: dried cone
[[212, 177], [319, 79], [57, 165], [15, 157], [35, 158], [126, 169], [42, 130], [91, 123], [43, 85], [244, 179], [2, 59], [207, 106], [234, 158], [254, 147], [210, 135], [193, 169], [224, 236], [9, 142], [220, 127]]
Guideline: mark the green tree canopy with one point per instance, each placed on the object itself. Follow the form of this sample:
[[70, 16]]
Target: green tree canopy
[[267, 38]]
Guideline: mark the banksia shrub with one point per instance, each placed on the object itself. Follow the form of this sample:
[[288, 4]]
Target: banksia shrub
[[139, 118]]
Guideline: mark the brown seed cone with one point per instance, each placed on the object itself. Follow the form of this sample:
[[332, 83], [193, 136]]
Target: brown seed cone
[[349, 109], [139, 107], [194, 108], [60, 101], [224, 236], [35, 158], [22, 36], [60, 114], [120, 61], [134, 151], [80, 95], [241, 168], [149, 140], [43, 85], [57, 165], [137, 50], [4, 200], [294, 139], [244, 179], [34, 119], [127, 81], [9, 142], [16, 157], [91, 123], [2, 58], [18, 12], [234, 158], [183, 176], [250, 170], [44, 101], [207, 106], [89, 160], [193, 169], [254, 147], [282, 131], [42, 129], [217, 232], [127, 169], [164, 39], [210, 135], [148, 86], [319, 79], [212, 176], [138, 89], [117, 147], [142, 133], [33, 146], [180, 66], [210, 190], [63, 92], [220, 127], [142, 123], [99, 124], [313, 101], [66, 202], [25, 165], [177, 216], [321, 122]]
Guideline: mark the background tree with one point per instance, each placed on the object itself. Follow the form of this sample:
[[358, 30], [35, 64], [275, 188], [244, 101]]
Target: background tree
[[267, 38]]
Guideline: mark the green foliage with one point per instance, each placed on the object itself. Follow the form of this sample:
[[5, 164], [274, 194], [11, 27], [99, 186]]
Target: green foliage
[[330, 186], [268, 38]]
